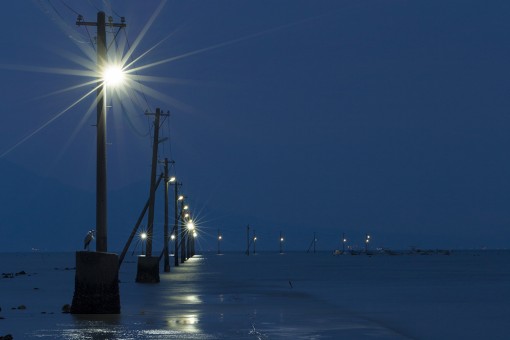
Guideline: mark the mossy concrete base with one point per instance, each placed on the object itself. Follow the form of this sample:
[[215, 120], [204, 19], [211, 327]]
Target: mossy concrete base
[[96, 283], [147, 269]]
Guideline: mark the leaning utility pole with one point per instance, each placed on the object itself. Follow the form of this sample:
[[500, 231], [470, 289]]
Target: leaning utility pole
[[96, 288]]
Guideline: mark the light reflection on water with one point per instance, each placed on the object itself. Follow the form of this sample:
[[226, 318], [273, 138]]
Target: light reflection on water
[[198, 301], [185, 323]]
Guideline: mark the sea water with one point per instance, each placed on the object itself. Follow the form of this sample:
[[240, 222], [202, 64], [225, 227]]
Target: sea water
[[464, 295]]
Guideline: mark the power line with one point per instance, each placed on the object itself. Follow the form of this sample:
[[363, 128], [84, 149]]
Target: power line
[[69, 7], [136, 73]]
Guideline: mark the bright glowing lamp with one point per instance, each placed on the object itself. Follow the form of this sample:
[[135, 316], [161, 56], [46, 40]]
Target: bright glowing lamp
[[172, 179], [281, 240], [172, 237], [190, 225], [113, 75], [143, 236], [195, 234]]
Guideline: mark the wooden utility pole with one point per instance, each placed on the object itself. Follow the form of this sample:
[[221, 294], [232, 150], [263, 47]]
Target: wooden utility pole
[[248, 240], [152, 199], [165, 232], [96, 284], [176, 224], [314, 242], [102, 59], [183, 236], [281, 243], [219, 241]]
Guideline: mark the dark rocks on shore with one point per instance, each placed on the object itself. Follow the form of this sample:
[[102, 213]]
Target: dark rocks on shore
[[6, 337], [66, 308], [12, 275]]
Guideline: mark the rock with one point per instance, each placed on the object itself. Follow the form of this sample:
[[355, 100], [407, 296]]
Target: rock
[[6, 337], [22, 307], [66, 308], [21, 273]]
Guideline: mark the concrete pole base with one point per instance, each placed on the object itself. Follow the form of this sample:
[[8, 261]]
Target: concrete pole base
[[148, 269], [96, 284]]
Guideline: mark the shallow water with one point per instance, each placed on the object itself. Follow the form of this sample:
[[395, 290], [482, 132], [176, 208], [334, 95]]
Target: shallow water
[[271, 296]]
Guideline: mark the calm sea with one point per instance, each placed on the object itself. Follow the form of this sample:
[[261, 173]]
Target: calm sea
[[464, 295]]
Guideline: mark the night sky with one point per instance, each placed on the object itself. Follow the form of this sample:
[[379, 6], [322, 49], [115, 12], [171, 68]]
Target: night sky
[[382, 117]]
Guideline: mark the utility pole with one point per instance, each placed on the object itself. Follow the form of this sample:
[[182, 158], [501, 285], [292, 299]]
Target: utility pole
[[248, 240], [96, 287], [176, 224], [188, 238], [183, 236], [219, 241], [150, 222], [343, 242], [314, 241], [102, 59], [148, 265], [165, 232], [281, 243]]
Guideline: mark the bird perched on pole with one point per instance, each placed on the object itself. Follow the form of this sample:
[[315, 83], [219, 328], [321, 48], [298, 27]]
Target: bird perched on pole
[[88, 238]]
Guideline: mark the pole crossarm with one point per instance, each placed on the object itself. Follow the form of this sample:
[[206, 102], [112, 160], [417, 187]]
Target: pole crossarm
[[110, 22]]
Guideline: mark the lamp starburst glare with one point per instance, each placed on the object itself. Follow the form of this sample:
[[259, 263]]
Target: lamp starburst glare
[[113, 75]]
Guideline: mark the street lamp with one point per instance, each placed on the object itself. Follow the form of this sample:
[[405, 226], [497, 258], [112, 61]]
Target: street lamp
[[182, 242], [254, 243], [143, 237], [367, 240], [344, 240], [113, 75], [219, 241], [190, 225], [172, 237]]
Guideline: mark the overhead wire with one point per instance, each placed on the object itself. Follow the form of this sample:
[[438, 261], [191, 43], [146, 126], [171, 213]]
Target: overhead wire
[[69, 7], [95, 7], [135, 98]]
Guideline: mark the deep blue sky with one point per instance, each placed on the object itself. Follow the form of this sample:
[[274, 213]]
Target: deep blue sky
[[381, 117]]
